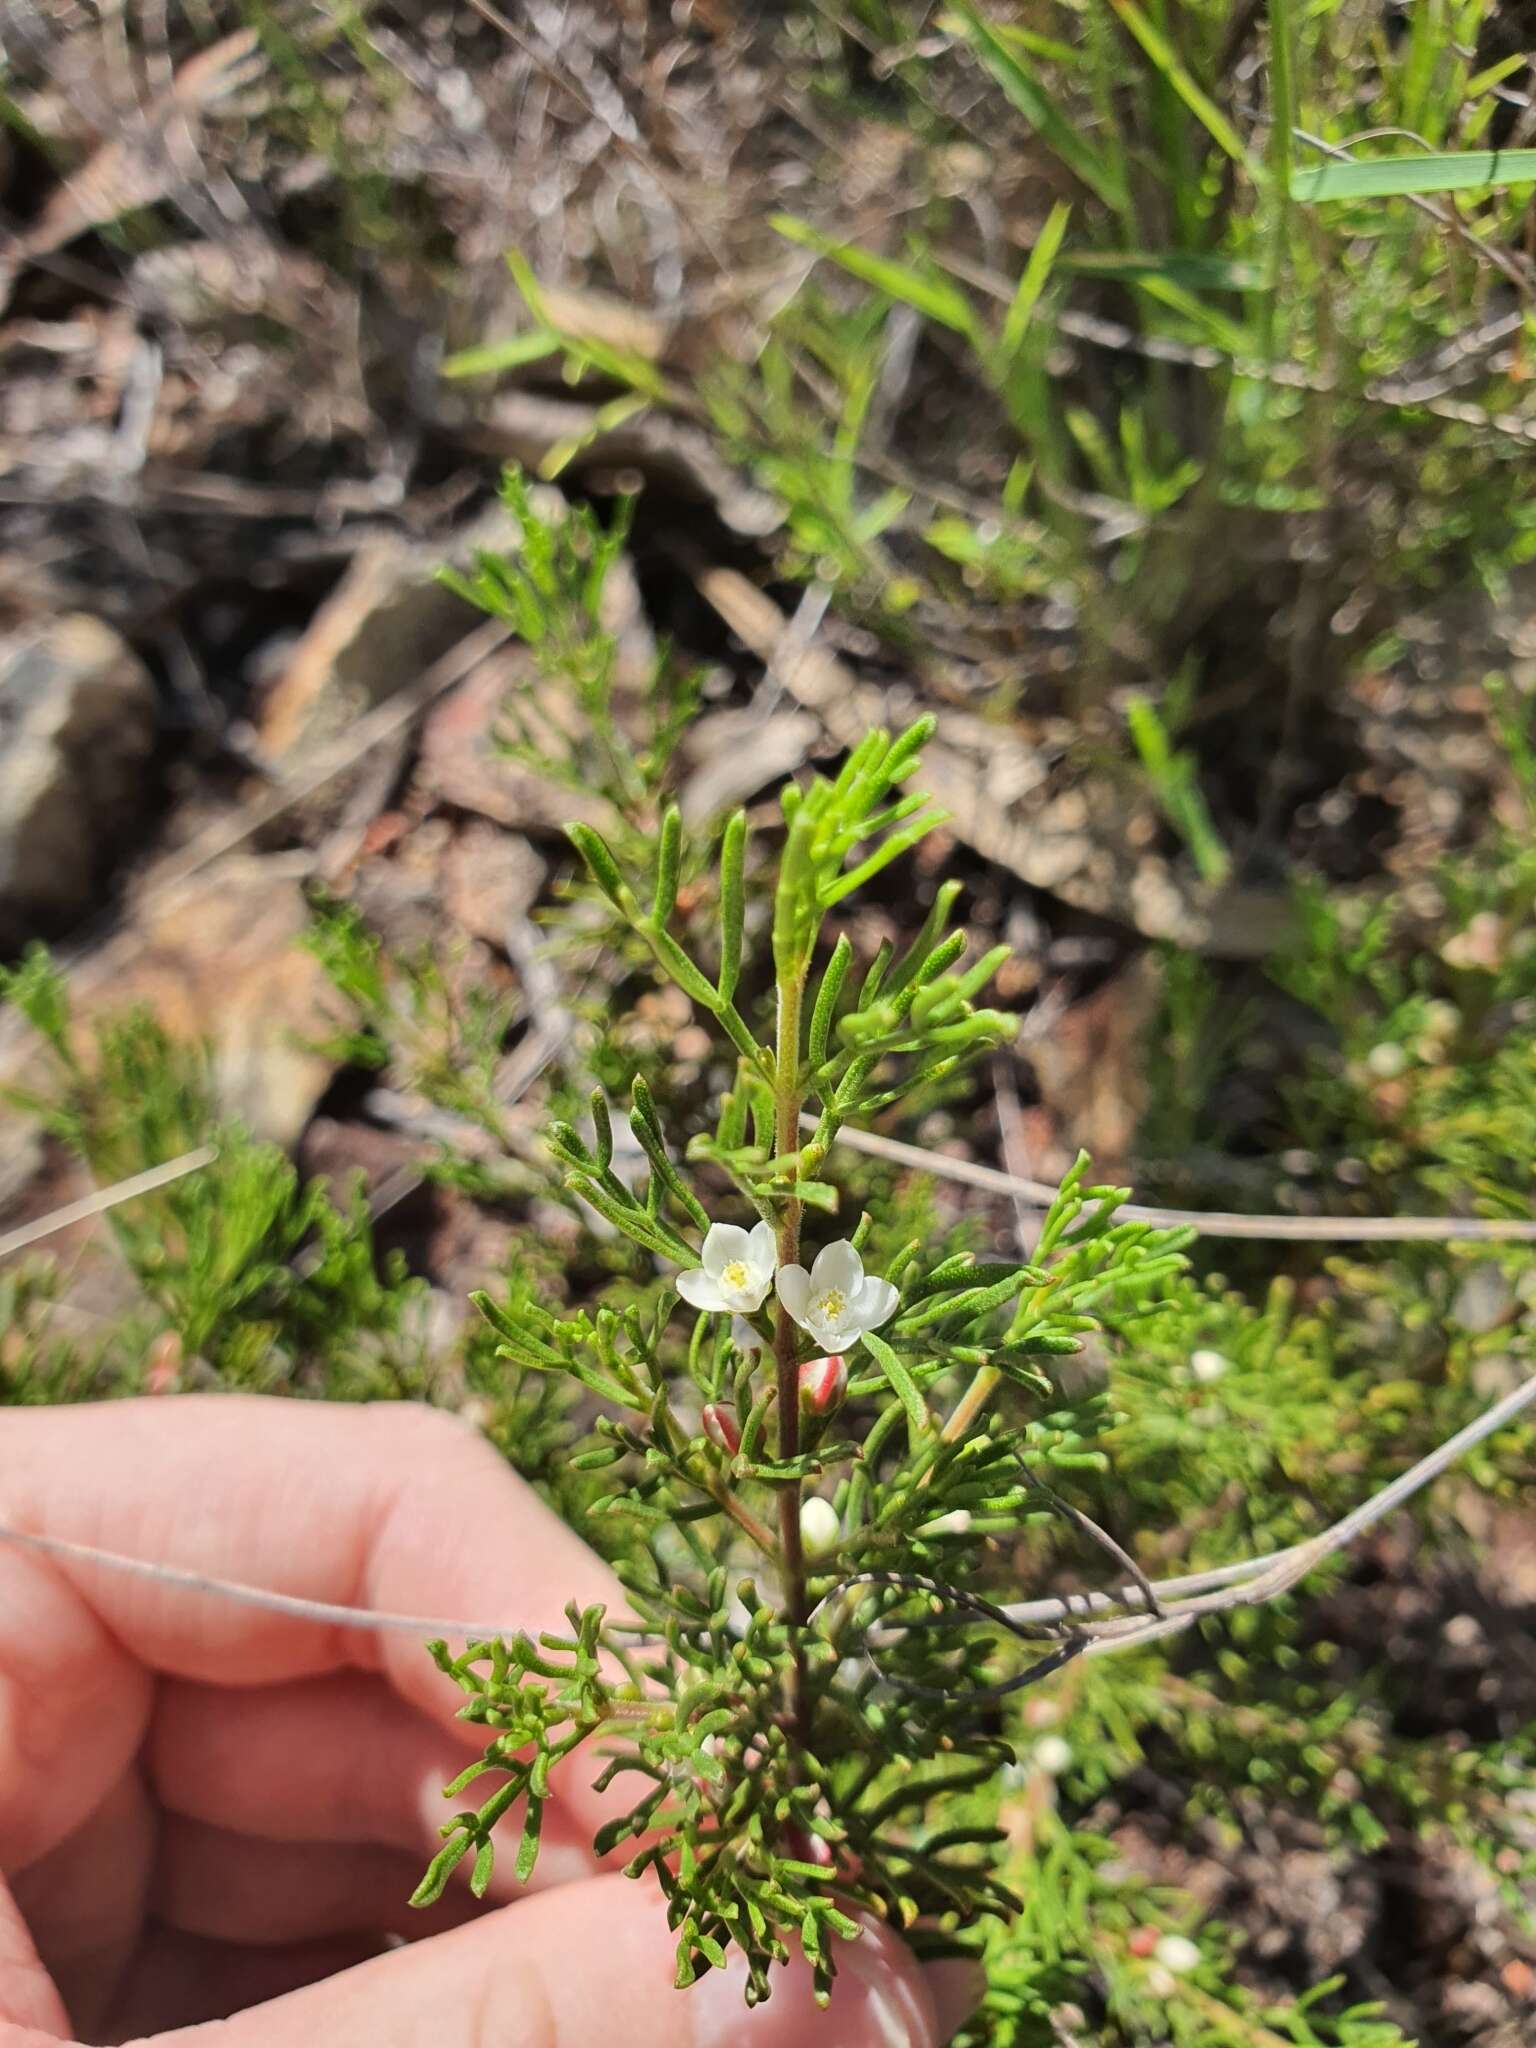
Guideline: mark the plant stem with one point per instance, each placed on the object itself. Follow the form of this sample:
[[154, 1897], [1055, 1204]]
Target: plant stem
[[744, 1519], [787, 1102], [971, 1403]]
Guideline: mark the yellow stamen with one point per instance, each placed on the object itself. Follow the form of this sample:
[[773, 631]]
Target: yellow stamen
[[832, 1305], [735, 1274]]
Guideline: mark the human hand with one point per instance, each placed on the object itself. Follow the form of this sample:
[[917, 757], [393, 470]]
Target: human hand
[[208, 1809]]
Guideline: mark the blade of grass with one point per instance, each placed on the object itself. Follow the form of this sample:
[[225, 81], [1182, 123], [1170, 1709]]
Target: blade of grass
[[494, 356], [1282, 102], [1056, 128], [1391, 177], [1205, 110], [1033, 282], [925, 292]]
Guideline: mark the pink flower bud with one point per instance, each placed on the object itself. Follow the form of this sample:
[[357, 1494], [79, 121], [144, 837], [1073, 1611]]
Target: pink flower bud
[[721, 1427], [823, 1385], [805, 1847], [163, 1365]]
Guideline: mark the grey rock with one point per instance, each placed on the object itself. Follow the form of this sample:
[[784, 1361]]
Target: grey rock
[[77, 725]]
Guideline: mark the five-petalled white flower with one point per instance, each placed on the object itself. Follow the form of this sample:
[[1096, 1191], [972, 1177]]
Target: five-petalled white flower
[[736, 1270], [837, 1301]]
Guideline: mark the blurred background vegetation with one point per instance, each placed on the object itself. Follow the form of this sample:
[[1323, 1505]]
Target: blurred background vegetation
[[1142, 387]]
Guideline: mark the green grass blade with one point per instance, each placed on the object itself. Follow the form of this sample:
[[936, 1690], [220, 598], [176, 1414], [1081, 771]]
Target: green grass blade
[[933, 296], [1205, 110], [1188, 268], [494, 356], [1052, 124], [1036, 272], [1393, 177]]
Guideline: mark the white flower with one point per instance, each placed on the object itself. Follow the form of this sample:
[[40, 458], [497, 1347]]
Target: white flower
[[820, 1530], [836, 1301], [1208, 1366], [1053, 1755], [736, 1272]]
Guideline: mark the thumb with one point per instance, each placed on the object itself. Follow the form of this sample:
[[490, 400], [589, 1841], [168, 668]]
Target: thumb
[[592, 1962]]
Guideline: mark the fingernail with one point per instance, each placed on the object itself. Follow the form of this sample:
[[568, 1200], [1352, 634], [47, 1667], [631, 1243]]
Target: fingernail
[[956, 1986], [893, 2007], [717, 2005]]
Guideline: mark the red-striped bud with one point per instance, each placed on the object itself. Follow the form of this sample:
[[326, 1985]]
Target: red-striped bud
[[162, 1368], [721, 1427], [805, 1847], [823, 1385]]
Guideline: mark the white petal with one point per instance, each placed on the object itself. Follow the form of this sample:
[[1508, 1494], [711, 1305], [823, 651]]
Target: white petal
[[762, 1248], [699, 1289], [837, 1265], [722, 1243], [875, 1302], [794, 1290], [744, 1337]]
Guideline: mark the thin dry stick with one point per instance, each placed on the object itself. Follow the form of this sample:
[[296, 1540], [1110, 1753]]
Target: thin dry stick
[[322, 1612], [1268, 1575], [1247, 1584], [106, 1198], [1262, 1578], [1207, 1222]]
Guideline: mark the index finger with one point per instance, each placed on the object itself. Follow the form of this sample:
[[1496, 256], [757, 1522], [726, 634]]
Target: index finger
[[392, 1508]]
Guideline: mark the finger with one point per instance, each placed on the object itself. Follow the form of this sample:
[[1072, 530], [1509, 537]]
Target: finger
[[73, 1708], [231, 1888], [591, 1962], [28, 1999], [339, 1759], [394, 1507], [180, 1980], [85, 1902]]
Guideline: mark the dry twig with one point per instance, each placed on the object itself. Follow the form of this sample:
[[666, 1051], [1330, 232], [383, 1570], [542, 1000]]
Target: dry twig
[[1206, 1222]]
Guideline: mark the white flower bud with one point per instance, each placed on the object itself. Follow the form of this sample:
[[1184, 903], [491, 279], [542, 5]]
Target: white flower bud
[[1053, 1755], [1208, 1365], [1386, 1061], [1177, 1953], [820, 1530], [956, 1523]]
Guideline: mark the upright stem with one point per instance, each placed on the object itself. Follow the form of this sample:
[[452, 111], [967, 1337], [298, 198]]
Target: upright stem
[[787, 1103], [971, 1403]]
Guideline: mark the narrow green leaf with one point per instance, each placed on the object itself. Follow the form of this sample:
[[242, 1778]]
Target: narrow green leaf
[[1033, 281], [1390, 177], [668, 859], [494, 356], [601, 864], [528, 1847], [826, 1001], [1199, 103], [1059, 130], [926, 292], [733, 856], [903, 1385], [888, 850], [602, 1126]]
